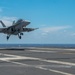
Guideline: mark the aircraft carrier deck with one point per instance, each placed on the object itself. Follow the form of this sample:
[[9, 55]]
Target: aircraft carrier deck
[[37, 61]]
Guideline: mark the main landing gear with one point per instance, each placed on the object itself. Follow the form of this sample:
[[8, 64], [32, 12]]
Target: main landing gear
[[8, 37], [19, 35]]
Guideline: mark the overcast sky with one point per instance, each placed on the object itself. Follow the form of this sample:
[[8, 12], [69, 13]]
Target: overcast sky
[[54, 18]]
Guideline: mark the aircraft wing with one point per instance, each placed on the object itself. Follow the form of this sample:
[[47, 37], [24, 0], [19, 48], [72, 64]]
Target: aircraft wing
[[29, 29]]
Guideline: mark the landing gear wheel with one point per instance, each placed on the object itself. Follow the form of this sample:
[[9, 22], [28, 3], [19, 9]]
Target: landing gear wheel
[[7, 37], [19, 37]]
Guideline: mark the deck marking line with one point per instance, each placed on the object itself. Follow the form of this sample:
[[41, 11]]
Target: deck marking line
[[51, 70], [16, 57]]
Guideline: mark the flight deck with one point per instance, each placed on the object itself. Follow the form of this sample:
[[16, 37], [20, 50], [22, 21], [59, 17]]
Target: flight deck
[[37, 61]]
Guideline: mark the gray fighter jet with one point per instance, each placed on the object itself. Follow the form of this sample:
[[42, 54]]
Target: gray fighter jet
[[17, 28]]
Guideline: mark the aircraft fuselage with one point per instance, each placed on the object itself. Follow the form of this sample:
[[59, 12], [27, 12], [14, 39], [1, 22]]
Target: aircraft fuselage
[[14, 30]]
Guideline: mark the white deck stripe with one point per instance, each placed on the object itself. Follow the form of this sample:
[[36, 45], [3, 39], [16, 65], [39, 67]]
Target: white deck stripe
[[15, 57], [68, 49], [51, 70], [56, 71], [42, 51]]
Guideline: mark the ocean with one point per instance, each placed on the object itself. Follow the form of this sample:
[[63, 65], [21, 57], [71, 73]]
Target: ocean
[[38, 45]]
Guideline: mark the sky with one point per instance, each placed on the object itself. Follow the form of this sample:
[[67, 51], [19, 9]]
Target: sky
[[54, 18]]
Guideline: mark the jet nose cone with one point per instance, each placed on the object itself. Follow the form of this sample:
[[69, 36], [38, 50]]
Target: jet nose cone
[[27, 22]]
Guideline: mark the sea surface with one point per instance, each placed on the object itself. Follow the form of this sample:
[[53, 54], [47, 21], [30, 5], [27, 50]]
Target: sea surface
[[38, 45]]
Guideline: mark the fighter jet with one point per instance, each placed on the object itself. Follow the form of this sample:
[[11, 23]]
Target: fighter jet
[[17, 28]]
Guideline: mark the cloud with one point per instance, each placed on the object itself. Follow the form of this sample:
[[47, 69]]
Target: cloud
[[8, 20], [54, 29], [73, 34]]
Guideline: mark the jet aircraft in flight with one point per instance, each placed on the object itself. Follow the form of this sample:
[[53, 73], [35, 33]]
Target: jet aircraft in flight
[[17, 28]]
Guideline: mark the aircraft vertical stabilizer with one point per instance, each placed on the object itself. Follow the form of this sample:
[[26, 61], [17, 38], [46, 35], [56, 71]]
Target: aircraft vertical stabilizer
[[3, 24]]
